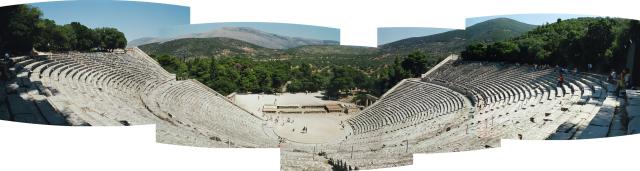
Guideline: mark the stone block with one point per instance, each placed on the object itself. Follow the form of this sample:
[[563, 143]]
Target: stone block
[[603, 117], [634, 126], [593, 131]]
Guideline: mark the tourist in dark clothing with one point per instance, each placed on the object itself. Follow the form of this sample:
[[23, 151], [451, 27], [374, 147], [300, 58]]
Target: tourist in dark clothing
[[612, 76], [28, 72]]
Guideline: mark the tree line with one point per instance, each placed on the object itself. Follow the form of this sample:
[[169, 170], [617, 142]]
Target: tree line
[[244, 74], [339, 165], [573, 43], [22, 29]]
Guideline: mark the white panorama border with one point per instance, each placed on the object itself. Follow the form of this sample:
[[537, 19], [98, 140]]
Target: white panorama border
[[41, 147]]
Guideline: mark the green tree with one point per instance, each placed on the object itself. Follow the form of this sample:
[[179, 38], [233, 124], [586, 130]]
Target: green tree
[[474, 51], [263, 75], [18, 28], [172, 64], [110, 38], [504, 51], [249, 81], [415, 64], [63, 39], [223, 85], [199, 70], [596, 42], [85, 38], [295, 86], [47, 30], [398, 72], [341, 81]]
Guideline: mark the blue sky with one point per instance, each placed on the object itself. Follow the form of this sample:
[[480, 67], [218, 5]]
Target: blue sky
[[535, 19], [134, 19], [391, 34], [292, 30]]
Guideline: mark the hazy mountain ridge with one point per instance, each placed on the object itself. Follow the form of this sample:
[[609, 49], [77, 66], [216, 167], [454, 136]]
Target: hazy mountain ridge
[[250, 35], [256, 43], [206, 47]]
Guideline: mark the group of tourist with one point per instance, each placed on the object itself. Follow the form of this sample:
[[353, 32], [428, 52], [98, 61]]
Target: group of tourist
[[304, 130], [623, 80]]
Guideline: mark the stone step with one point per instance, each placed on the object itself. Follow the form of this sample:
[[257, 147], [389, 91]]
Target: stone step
[[24, 110], [49, 113]]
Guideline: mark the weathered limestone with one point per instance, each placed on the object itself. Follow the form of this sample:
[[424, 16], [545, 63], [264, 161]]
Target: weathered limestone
[[107, 89], [633, 111], [458, 106], [505, 101]]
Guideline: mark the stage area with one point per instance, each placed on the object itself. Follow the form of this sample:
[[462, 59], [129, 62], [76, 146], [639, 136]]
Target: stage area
[[321, 128]]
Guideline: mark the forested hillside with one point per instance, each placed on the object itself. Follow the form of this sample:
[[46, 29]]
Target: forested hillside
[[602, 42]]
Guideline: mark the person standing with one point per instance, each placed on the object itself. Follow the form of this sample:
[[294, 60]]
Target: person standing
[[621, 81], [627, 80], [612, 76], [560, 80], [29, 73]]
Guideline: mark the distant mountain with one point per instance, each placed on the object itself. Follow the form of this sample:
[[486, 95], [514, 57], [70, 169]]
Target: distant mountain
[[250, 35], [440, 44], [224, 47], [206, 47], [455, 41], [258, 44], [496, 30]]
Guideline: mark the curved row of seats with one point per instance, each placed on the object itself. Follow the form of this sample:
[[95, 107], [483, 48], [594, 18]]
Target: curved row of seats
[[507, 101], [460, 106], [103, 89], [214, 114], [410, 101]]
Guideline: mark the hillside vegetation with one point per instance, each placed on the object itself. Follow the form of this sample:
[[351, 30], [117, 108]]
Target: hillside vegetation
[[454, 41], [243, 74], [22, 29], [229, 65], [602, 42], [496, 30]]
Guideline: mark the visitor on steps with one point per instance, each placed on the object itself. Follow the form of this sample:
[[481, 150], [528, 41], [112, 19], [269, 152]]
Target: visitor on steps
[[627, 79], [29, 73], [560, 80], [612, 76], [621, 81]]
